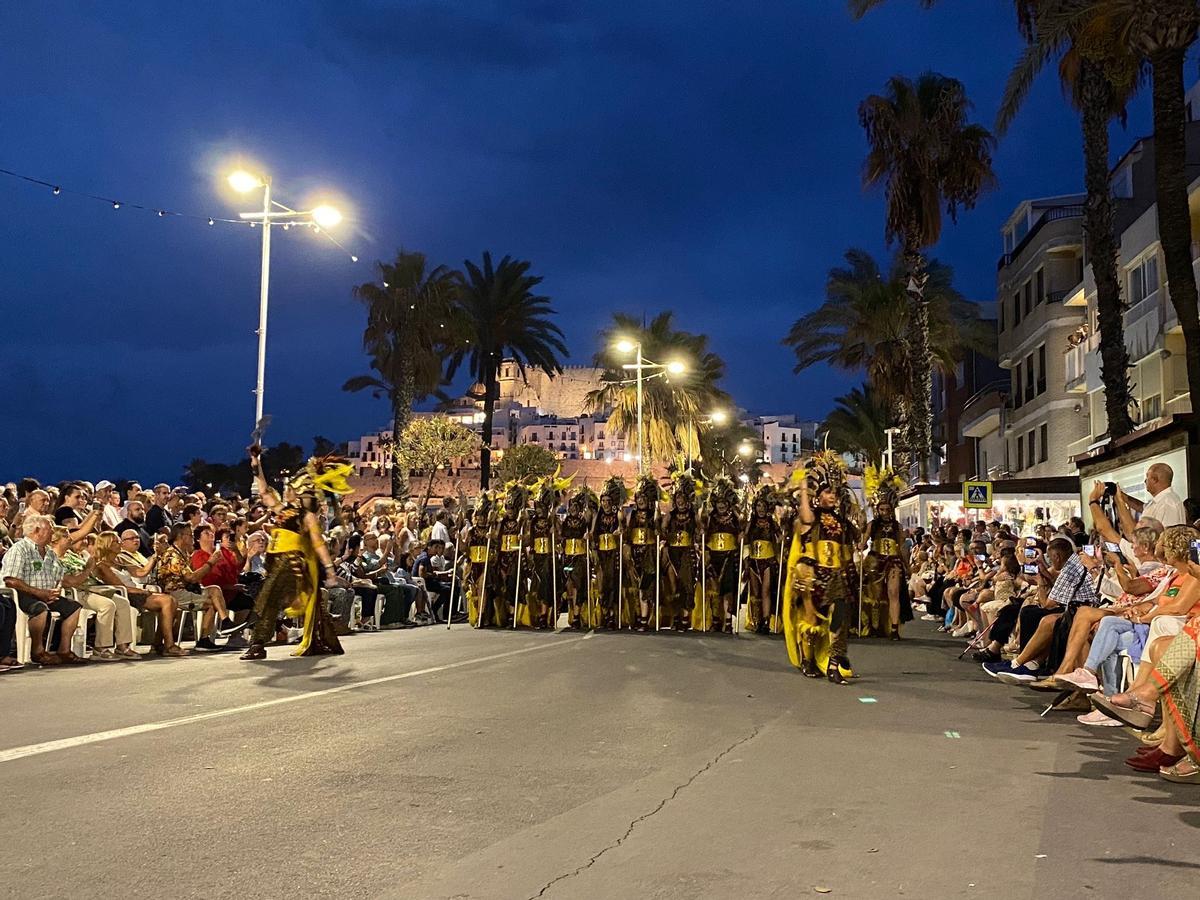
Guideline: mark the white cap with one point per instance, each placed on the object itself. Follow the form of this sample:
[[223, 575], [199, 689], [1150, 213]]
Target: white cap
[[101, 485]]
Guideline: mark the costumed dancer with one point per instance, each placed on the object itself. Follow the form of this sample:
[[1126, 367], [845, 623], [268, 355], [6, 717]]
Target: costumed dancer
[[606, 544], [298, 561], [575, 526], [510, 536], [762, 537], [886, 566], [481, 609], [641, 546], [817, 597], [722, 527], [679, 526], [542, 553]]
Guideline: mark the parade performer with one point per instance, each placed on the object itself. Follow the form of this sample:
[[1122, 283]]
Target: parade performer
[[885, 589], [606, 544], [297, 556], [481, 605], [679, 526], [641, 547], [722, 528], [575, 564], [817, 594], [542, 551], [762, 536], [510, 538]]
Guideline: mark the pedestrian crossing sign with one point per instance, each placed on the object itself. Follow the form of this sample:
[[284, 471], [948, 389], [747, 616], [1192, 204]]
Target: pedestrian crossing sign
[[977, 495]]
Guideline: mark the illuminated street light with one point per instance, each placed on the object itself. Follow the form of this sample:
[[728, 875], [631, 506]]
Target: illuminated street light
[[675, 367], [326, 216], [243, 182]]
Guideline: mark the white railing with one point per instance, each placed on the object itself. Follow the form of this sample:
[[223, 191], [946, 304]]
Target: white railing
[[1076, 365]]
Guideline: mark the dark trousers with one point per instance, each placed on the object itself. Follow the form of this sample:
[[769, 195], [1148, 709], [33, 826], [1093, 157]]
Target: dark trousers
[[1005, 622], [8, 627], [1030, 617]]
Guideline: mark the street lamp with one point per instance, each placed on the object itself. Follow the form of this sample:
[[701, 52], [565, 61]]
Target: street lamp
[[273, 213], [674, 367], [716, 417]]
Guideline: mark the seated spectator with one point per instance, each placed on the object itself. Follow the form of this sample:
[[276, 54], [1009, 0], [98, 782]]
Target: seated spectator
[[33, 570], [114, 626], [191, 515], [113, 511], [216, 546], [158, 516], [438, 583], [175, 576], [121, 572], [135, 521], [1048, 605]]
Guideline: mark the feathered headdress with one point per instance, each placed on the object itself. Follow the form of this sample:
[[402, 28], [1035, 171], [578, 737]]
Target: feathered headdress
[[324, 474], [882, 485], [586, 497], [515, 494], [647, 488], [722, 491], [685, 485], [767, 494], [827, 471], [614, 489], [483, 506]]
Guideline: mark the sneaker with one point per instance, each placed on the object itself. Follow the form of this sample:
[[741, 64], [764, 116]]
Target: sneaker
[[1018, 675], [227, 627], [985, 655], [1095, 717], [1082, 679], [206, 643], [930, 617]]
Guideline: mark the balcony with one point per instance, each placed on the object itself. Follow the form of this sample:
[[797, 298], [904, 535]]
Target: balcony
[[1075, 358], [981, 413], [1050, 215], [1144, 327]]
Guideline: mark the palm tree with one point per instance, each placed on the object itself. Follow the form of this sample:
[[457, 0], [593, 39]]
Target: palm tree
[[863, 325], [858, 423], [502, 317], [928, 158], [1099, 76], [673, 405], [409, 332]]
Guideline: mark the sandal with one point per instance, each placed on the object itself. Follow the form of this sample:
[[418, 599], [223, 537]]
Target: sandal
[[1126, 708], [1183, 772], [174, 650]]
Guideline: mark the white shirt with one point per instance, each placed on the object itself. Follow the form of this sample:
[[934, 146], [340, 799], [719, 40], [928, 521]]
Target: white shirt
[[1167, 508], [439, 532], [113, 516]]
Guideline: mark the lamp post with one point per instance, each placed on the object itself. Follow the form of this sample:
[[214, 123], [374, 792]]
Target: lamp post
[[273, 213], [640, 366], [716, 417]]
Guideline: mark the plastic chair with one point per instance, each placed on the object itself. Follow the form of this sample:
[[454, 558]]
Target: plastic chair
[[24, 642]]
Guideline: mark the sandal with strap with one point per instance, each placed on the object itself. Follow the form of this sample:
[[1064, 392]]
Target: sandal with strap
[[1126, 708], [1183, 772]]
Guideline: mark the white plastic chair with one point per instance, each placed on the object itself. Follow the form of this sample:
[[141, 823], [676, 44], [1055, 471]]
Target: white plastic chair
[[24, 642]]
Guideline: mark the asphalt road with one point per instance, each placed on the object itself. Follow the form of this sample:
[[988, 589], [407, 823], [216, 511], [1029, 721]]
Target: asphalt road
[[462, 764]]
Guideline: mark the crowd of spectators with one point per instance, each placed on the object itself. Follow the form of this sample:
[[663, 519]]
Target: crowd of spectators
[[101, 555], [1087, 617]]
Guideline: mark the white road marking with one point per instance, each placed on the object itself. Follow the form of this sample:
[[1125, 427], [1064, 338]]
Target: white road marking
[[96, 737]]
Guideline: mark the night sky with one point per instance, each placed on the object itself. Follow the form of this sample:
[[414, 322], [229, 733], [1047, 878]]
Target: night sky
[[698, 156]]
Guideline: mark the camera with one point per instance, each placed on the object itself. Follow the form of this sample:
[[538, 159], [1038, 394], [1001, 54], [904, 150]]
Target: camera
[[1110, 489]]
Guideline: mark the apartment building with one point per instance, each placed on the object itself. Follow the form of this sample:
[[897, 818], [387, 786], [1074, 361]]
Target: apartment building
[[956, 454], [785, 437]]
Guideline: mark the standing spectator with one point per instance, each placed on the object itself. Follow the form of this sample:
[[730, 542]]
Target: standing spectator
[[1164, 504], [158, 516], [136, 521], [33, 570]]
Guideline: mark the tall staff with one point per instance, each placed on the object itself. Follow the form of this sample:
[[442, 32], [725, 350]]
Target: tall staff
[[481, 602], [737, 606], [657, 577], [554, 576], [779, 586], [704, 624], [587, 565], [453, 575], [517, 588], [620, 599]]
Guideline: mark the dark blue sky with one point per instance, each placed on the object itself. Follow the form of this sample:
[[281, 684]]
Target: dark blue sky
[[698, 156]]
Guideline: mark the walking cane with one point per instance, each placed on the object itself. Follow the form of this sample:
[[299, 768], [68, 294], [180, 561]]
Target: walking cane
[[517, 589], [737, 606], [620, 602], [657, 577], [554, 576], [453, 575], [481, 603]]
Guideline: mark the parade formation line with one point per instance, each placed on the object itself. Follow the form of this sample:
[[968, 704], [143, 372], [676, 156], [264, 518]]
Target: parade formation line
[[17, 753]]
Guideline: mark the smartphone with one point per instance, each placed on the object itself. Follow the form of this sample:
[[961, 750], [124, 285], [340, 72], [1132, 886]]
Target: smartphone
[[1029, 570], [1030, 553], [1089, 549], [1111, 547], [982, 557], [1194, 552]]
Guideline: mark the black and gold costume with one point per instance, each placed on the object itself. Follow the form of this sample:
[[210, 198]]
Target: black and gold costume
[[510, 531], [606, 545], [641, 548], [885, 602], [576, 565], [680, 532], [763, 556], [478, 578], [543, 574], [722, 546]]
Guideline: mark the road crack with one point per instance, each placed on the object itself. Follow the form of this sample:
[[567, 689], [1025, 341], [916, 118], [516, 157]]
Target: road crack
[[679, 788]]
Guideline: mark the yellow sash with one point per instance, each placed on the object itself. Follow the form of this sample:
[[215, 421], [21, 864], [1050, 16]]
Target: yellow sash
[[681, 539], [608, 541], [722, 541], [541, 545], [510, 542], [887, 547], [828, 554], [762, 550], [640, 536], [478, 553], [284, 541], [574, 547]]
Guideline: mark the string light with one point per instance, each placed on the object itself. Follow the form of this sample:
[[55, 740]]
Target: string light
[[58, 190]]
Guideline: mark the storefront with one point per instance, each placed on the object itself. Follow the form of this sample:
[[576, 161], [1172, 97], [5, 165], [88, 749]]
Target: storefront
[[1125, 461], [1023, 503]]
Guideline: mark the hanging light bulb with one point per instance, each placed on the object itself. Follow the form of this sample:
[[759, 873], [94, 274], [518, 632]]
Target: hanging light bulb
[[353, 258], [161, 213], [211, 222], [56, 190], [116, 204]]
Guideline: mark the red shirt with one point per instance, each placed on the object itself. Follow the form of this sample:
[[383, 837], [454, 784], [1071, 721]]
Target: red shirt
[[224, 574]]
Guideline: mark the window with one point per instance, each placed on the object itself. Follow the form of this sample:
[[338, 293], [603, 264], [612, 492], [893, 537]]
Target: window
[[1020, 454], [1143, 279], [1043, 439], [551, 437], [1027, 290], [1029, 395], [1040, 286], [1041, 370], [1016, 387], [1000, 314], [1032, 454], [1016, 308]]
